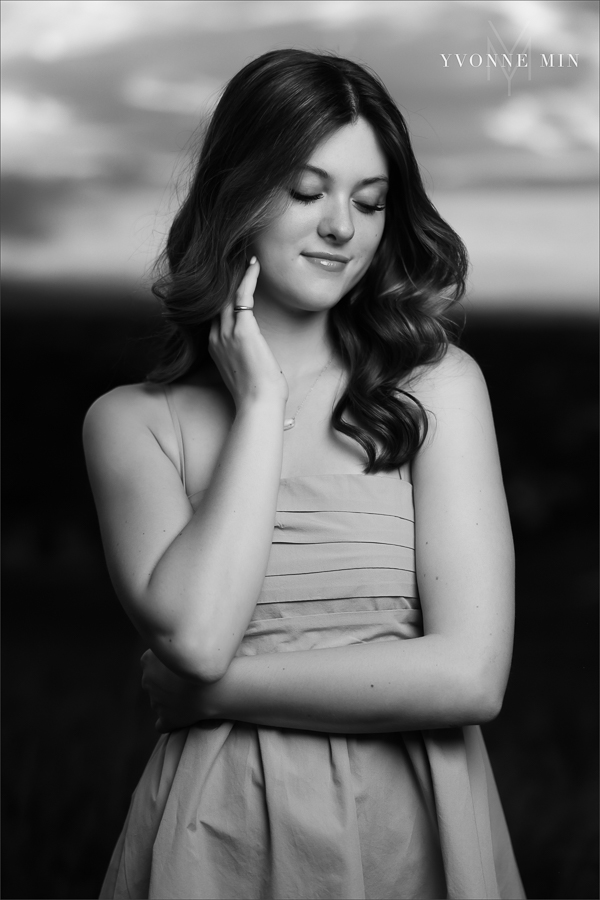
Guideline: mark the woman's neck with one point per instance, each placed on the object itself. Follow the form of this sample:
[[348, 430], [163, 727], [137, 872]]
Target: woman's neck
[[299, 342]]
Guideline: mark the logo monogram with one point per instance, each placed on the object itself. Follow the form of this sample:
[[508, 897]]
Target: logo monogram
[[508, 70]]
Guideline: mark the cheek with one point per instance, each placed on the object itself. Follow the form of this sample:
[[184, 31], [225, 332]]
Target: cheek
[[283, 237], [372, 240], [378, 229]]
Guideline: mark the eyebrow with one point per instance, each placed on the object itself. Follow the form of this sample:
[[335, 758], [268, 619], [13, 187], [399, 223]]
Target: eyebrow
[[376, 180]]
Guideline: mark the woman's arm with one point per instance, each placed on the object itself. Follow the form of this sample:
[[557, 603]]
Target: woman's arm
[[190, 581], [364, 688], [456, 673]]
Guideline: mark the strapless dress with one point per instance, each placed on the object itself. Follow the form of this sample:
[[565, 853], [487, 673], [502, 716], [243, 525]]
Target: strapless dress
[[230, 810]]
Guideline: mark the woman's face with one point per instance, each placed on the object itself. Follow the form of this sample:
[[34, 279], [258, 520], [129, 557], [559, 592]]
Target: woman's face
[[323, 241]]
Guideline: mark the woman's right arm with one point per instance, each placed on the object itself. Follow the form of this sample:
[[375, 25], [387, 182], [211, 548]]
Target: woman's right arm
[[190, 580]]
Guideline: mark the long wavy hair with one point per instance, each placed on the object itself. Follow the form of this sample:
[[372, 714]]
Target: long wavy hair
[[269, 120]]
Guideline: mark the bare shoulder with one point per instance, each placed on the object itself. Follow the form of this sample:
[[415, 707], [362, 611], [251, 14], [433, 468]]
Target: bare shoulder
[[455, 374], [131, 402], [126, 418], [454, 394], [123, 412], [132, 427], [145, 404]]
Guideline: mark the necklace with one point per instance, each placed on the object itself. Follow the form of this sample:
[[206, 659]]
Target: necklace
[[289, 423]]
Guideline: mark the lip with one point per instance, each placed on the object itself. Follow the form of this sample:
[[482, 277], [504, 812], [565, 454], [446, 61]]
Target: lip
[[334, 257], [327, 262]]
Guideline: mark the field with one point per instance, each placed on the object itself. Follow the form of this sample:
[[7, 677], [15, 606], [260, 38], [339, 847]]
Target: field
[[77, 730]]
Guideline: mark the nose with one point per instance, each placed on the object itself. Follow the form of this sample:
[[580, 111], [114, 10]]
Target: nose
[[336, 223]]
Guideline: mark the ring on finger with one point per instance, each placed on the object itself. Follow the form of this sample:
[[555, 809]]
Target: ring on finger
[[240, 308]]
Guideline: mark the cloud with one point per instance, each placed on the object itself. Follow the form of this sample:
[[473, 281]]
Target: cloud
[[194, 97], [44, 138], [52, 29], [96, 233], [29, 207], [35, 130], [529, 246], [547, 19], [549, 123], [102, 98]]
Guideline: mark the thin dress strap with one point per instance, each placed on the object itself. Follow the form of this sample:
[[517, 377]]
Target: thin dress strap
[[404, 472], [178, 433]]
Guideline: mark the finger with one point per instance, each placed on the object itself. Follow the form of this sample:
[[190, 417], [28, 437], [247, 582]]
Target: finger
[[245, 323], [226, 319], [244, 296], [245, 293]]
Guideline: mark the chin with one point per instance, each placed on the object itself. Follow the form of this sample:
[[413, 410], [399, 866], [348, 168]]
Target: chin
[[317, 294], [297, 292], [317, 301]]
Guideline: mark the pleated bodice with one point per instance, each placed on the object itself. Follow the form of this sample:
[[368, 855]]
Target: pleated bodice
[[342, 565]]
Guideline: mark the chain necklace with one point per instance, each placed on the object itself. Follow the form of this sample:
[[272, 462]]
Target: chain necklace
[[289, 423]]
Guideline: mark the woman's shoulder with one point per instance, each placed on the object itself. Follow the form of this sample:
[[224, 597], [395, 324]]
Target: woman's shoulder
[[133, 404], [454, 375], [119, 420], [454, 395], [144, 403], [122, 423]]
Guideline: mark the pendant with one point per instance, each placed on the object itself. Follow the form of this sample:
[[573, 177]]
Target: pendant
[[288, 423]]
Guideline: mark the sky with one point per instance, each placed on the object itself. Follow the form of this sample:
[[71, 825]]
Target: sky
[[102, 99]]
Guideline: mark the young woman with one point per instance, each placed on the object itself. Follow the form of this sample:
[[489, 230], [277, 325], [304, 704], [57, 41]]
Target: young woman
[[303, 515]]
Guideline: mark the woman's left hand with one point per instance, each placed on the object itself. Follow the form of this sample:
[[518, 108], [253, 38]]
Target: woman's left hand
[[176, 701]]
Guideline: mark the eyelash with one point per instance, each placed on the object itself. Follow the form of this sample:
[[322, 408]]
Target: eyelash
[[310, 198]]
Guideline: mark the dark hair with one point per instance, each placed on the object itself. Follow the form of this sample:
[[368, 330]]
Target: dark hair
[[270, 119]]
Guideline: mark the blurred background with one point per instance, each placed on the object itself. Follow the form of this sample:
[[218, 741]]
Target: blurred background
[[100, 105]]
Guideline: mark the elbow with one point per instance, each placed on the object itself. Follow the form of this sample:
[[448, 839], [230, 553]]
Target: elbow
[[478, 684], [188, 649], [212, 670], [485, 697], [197, 662], [486, 707]]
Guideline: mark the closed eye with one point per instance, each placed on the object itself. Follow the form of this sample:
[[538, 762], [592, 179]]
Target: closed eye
[[310, 198]]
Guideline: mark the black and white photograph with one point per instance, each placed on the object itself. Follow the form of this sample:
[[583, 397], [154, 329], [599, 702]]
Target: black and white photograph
[[300, 545]]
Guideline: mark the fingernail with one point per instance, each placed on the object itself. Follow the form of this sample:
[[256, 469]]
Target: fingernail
[[253, 260]]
